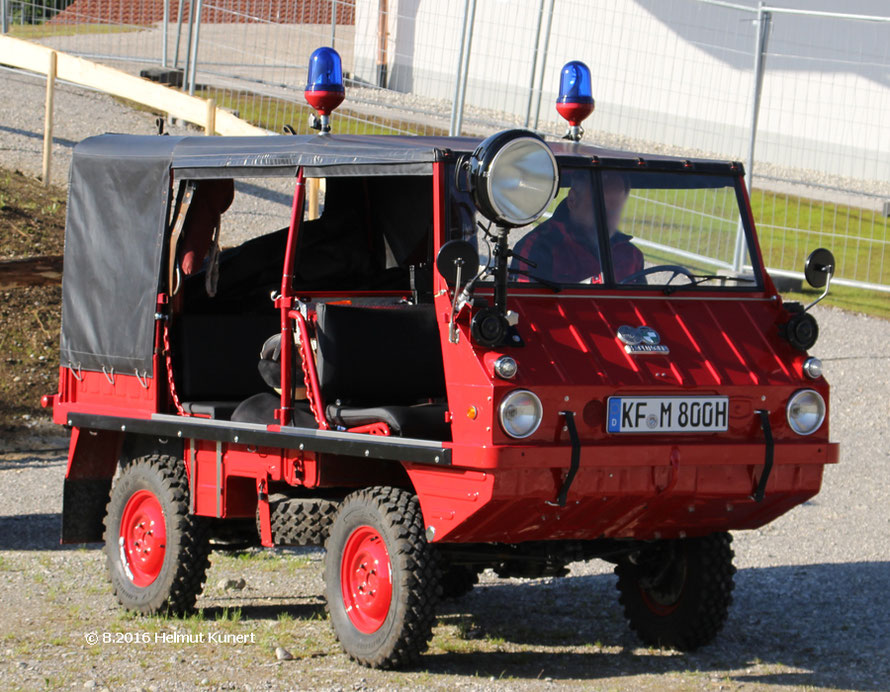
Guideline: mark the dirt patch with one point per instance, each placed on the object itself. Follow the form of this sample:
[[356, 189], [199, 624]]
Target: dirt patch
[[32, 223]]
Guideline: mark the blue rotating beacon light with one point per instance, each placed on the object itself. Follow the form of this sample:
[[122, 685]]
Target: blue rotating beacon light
[[324, 89], [575, 101]]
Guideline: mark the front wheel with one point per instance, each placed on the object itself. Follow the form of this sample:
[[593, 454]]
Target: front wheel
[[381, 578], [156, 552], [676, 594]]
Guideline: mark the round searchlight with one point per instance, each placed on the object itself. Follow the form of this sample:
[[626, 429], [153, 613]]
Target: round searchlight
[[514, 177]]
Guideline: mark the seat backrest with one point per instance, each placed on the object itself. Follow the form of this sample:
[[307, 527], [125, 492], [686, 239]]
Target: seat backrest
[[215, 356], [379, 356]]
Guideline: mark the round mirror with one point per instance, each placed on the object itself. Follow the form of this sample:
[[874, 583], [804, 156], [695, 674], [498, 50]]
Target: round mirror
[[817, 268], [514, 177], [454, 254]]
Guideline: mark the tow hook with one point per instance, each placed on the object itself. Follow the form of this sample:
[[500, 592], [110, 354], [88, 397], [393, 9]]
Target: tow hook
[[575, 463], [768, 460]]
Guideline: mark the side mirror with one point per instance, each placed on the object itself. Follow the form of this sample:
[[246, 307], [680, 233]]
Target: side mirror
[[818, 270], [819, 267], [457, 262]]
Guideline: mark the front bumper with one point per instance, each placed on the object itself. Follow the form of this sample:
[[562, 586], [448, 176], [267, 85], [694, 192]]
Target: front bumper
[[640, 491]]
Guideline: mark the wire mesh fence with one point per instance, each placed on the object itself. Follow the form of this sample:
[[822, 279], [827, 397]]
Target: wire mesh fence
[[798, 95]]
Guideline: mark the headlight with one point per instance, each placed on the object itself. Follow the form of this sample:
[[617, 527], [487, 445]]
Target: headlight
[[520, 413], [806, 411], [514, 177]]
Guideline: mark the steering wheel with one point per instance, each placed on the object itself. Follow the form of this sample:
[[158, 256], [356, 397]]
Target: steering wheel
[[676, 270]]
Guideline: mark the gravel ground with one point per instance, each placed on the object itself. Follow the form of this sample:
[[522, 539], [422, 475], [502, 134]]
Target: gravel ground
[[811, 602]]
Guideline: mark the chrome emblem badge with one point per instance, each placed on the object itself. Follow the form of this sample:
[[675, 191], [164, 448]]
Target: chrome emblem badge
[[649, 335], [641, 340], [629, 335]]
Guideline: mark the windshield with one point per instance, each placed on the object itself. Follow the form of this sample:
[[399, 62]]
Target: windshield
[[667, 230]]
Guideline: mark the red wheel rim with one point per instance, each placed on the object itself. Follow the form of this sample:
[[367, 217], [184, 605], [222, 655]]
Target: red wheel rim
[[366, 579], [666, 598], [143, 538]]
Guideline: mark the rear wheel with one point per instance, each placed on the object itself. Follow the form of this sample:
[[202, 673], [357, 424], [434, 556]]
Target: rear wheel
[[157, 554], [381, 578], [676, 594]]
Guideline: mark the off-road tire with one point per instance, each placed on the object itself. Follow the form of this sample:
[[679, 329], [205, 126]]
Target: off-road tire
[[297, 521], [181, 576], [458, 581], [394, 514], [687, 608]]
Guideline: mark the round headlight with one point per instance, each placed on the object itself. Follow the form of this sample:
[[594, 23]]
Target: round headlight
[[806, 411], [514, 177], [520, 413]]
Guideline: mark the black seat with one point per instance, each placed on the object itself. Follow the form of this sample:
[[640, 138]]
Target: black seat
[[383, 365], [215, 360]]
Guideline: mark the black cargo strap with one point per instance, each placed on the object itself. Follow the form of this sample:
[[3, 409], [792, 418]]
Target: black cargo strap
[[575, 463], [768, 462]]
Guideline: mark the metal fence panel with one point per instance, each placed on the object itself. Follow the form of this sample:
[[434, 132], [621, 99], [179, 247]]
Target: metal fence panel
[[673, 76]]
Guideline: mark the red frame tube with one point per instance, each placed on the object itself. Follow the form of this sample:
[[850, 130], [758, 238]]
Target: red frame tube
[[285, 300]]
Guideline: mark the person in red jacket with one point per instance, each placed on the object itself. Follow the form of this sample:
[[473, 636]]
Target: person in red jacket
[[565, 249]]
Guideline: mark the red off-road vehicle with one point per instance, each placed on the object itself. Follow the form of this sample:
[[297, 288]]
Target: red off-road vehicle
[[511, 354]]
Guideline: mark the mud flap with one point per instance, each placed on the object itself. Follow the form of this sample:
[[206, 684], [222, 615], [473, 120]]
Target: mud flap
[[83, 509]]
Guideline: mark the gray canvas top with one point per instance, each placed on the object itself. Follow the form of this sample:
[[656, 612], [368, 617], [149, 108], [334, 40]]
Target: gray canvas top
[[118, 203]]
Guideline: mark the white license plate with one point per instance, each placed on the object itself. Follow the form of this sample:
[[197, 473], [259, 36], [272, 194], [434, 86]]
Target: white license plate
[[645, 414]]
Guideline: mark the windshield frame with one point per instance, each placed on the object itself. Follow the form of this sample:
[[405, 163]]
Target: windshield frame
[[596, 167], [744, 216]]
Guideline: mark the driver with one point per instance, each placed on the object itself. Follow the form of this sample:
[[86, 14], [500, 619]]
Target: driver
[[564, 247]]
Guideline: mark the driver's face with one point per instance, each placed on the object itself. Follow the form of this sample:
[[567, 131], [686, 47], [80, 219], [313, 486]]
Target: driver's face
[[580, 202], [615, 197]]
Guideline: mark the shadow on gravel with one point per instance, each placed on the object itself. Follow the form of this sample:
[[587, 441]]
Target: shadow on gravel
[[265, 611], [11, 461], [67, 143], [34, 532], [822, 626]]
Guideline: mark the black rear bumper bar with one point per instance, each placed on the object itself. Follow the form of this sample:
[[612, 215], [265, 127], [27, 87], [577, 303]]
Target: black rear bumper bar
[[306, 439]]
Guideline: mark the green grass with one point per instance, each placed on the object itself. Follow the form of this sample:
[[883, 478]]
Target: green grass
[[274, 113], [788, 227], [875, 303]]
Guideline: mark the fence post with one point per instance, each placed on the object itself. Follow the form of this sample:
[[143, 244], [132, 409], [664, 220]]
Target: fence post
[[463, 68], [210, 122], [4, 16], [382, 31], [166, 20], [194, 49], [48, 117], [312, 188], [178, 36], [531, 79], [188, 47], [760, 45], [543, 65], [333, 22]]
